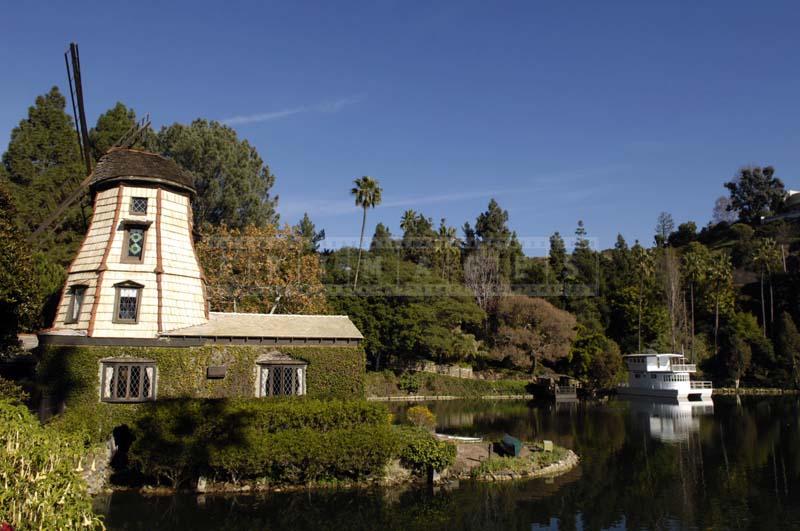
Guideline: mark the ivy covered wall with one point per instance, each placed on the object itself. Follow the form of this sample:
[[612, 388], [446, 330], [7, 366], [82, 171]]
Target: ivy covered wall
[[70, 375]]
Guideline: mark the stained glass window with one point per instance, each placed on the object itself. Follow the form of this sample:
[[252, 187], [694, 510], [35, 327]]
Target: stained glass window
[[139, 205], [135, 242]]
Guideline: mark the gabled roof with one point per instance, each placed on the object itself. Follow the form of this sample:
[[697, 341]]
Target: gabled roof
[[260, 325], [120, 164]]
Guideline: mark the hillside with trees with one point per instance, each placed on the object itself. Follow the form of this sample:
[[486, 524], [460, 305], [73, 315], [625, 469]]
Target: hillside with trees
[[724, 294]]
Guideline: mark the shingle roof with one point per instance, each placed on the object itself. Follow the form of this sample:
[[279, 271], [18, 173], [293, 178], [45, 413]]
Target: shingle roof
[[260, 325], [130, 164]]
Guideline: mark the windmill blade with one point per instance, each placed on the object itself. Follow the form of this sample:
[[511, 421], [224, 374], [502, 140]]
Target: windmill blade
[[65, 204]]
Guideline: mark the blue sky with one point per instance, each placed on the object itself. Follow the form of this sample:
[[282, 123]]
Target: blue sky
[[609, 112]]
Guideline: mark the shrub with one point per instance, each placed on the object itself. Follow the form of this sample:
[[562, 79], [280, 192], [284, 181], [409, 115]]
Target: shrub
[[420, 450], [304, 456], [409, 382], [293, 440], [41, 487], [12, 392], [421, 417]]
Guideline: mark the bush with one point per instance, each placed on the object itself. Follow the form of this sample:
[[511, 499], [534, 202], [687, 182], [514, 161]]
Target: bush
[[421, 417], [41, 489], [303, 456], [285, 442], [409, 382], [419, 450], [293, 440], [10, 391]]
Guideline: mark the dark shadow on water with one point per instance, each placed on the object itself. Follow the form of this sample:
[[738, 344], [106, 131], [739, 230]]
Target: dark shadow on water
[[736, 467]]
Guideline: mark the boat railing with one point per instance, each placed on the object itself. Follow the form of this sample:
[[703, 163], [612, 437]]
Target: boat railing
[[684, 367], [700, 385], [566, 389]]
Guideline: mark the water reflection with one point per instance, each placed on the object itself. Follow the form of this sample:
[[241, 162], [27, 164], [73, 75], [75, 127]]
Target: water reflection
[[670, 420], [643, 467]]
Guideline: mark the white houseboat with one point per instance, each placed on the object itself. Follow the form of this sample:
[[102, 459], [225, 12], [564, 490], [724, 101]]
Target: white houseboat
[[663, 376]]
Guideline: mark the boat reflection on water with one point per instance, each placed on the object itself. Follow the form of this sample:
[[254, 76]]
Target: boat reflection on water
[[668, 420]]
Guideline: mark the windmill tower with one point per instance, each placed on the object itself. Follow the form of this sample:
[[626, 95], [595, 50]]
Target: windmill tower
[[136, 274]]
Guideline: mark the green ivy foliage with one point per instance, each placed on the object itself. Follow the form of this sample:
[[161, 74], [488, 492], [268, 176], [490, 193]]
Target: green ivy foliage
[[38, 467], [71, 375]]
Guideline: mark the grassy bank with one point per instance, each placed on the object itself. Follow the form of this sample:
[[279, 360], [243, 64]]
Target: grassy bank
[[387, 383]]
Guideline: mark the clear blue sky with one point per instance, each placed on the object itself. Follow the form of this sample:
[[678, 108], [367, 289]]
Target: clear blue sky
[[608, 112]]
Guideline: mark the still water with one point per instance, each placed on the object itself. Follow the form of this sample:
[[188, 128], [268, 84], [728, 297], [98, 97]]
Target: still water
[[720, 465]]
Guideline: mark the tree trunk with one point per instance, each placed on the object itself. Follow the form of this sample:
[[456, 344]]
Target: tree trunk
[[716, 322], [771, 304], [691, 303], [763, 309], [360, 245], [639, 326]]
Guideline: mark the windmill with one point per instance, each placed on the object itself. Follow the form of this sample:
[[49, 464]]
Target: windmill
[[72, 62]]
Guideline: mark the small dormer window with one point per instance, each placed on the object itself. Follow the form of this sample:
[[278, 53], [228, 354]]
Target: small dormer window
[[127, 302], [139, 205], [76, 294]]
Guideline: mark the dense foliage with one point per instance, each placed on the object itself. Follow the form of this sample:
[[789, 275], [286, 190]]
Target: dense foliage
[[291, 442], [39, 467], [261, 269]]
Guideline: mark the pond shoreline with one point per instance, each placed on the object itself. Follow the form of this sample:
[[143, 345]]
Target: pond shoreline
[[395, 476], [435, 398]]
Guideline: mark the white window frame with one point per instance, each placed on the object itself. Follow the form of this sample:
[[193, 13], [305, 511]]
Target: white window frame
[[267, 372]]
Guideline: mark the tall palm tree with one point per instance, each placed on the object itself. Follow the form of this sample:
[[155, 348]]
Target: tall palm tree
[[695, 269], [367, 193], [645, 268], [764, 257], [721, 277]]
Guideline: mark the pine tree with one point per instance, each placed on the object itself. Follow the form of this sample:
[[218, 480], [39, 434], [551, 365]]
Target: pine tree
[[306, 229], [382, 239], [233, 183], [17, 292], [112, 126], [42, 167]]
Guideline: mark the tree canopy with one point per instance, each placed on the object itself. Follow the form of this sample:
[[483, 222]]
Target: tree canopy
[[233, 183]]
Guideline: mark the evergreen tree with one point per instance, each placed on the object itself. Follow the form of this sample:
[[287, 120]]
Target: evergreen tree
[[16, 278], [664, 227], [557, 266], [382, 239], [42, 166], [755, 192], [233, 183], [787, 351], [112, 126], [306, 229]]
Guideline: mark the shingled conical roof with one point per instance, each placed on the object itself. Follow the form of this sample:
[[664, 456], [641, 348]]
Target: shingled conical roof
[[120, 164]]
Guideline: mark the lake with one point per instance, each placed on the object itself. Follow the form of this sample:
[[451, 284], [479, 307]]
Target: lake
[[723, 465]]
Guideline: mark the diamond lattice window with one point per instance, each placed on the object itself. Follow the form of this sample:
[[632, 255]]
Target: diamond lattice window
[[128, 302], [282, 380], [125, 381], [139, 205]]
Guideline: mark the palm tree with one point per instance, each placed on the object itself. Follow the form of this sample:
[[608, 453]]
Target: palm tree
[[367, 193], [645, 268], [764, 259], [695, 269], [721, 276]]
